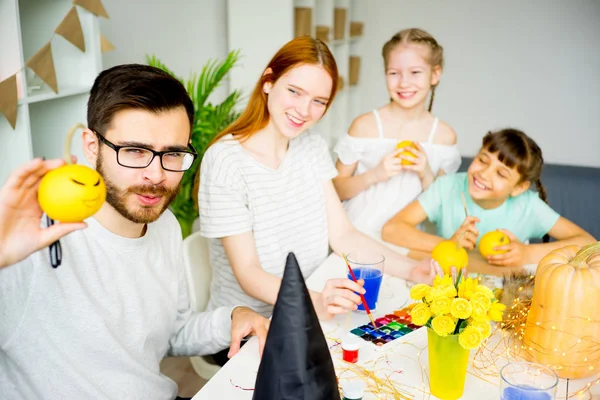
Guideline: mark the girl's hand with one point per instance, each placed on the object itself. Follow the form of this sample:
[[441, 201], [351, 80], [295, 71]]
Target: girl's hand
[[425, 271], [516, 252], [420, 164], [339, 296], [388, 167], [466, 235], [454, 274]]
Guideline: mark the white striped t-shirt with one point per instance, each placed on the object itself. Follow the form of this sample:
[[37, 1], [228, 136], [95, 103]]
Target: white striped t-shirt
[[283, 207]]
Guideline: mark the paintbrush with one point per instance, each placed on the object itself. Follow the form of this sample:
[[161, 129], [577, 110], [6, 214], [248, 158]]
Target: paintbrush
[[462, 195], [364, 301]]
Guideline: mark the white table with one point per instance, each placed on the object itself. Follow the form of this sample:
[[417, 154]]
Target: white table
[[407, 355]]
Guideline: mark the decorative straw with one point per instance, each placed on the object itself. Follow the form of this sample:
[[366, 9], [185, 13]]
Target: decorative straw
[[462, 195]]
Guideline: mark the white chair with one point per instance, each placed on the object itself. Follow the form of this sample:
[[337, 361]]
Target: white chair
[[199, 274]]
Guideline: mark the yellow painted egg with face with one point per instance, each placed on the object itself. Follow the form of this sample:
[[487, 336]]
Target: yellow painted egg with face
[[71, 193], [490, 240], [407, 144]]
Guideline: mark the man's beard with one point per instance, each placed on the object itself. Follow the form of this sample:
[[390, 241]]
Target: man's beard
[[117, 198]]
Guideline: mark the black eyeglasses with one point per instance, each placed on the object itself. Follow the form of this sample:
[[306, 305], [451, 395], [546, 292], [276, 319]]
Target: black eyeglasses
[[141, 157]]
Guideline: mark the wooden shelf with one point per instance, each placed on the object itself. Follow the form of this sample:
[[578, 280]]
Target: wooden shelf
[[44, 117], [50, 95]]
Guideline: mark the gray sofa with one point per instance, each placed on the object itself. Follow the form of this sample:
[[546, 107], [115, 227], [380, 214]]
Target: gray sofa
[[574, 192]]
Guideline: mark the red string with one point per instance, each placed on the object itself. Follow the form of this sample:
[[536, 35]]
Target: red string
[[399, 371], [239, 387]]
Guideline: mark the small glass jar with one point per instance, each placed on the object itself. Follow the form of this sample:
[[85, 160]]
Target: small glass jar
[[353, 390], [350, 347], [527, 381]]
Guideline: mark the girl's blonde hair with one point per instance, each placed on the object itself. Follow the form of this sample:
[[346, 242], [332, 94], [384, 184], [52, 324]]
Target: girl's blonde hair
[[419, 36]]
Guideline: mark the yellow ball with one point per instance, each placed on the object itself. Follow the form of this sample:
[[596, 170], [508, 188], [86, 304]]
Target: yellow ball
[[449, 254], [406, 144], [491, 240], [71, 193]]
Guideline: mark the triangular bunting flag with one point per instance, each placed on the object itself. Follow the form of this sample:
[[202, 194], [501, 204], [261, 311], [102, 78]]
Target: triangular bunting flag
[[93, 6], [296, 362], [9, 99], [70, 29], [42, 64], [105, 44]]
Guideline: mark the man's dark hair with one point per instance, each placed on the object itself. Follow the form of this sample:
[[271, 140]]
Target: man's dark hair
[[134, 86]]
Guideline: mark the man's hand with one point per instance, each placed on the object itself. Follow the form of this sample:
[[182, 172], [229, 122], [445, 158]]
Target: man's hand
[[20, 214], [244, 322]]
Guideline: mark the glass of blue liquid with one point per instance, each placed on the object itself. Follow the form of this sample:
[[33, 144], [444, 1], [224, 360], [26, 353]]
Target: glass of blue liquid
[[527, 381], [369, 267]]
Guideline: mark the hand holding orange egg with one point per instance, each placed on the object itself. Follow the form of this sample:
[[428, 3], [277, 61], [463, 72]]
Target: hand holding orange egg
[[491, 240], [20, 213], [413, 158], [503, 248], [407, 145]]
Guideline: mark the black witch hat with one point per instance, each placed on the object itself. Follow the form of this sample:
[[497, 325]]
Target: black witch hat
[[296, 362]]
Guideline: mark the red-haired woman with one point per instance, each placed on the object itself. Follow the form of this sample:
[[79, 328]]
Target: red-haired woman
[[266, 190]]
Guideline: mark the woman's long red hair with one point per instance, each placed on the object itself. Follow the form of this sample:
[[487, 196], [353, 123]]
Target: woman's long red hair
[[301, 50]]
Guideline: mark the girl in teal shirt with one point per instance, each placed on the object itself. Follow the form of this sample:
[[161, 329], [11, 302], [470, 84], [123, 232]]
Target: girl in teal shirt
[[496, 191]]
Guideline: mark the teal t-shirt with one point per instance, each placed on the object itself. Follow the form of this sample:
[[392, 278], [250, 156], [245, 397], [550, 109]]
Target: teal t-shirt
[[526, 216]]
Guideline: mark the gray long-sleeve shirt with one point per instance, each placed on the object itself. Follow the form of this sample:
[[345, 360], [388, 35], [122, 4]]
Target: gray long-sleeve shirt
[[98, 326]]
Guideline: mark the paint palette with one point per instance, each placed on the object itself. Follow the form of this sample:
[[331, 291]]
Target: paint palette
[[389, 328]]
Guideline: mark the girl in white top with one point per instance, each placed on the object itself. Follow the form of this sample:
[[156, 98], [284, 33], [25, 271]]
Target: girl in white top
[[372, 180], [266, 190]]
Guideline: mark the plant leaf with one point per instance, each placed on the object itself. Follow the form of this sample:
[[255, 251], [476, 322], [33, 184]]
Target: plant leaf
[[209, 120], [153, 61], [213, 74]]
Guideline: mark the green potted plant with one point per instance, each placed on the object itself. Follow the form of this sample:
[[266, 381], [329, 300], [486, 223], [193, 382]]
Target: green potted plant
[[209, 120]]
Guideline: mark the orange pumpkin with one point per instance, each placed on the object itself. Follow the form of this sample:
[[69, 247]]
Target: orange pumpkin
[[449, 254], [563, 327]]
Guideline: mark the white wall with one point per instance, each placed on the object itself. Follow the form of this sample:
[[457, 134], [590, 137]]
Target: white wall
[[531, 64], [183, 34], [249, 25]]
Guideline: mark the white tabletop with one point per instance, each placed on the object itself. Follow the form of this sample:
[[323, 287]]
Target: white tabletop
[[404, 360]]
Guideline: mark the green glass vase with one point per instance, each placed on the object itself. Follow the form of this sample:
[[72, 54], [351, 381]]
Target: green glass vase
[[448, 362]]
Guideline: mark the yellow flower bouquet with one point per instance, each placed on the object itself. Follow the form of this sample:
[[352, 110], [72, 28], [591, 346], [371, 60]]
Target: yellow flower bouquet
[[465, 309], [458, 317]]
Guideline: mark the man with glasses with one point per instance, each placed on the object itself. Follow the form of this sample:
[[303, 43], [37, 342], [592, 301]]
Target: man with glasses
[[98, 325]]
